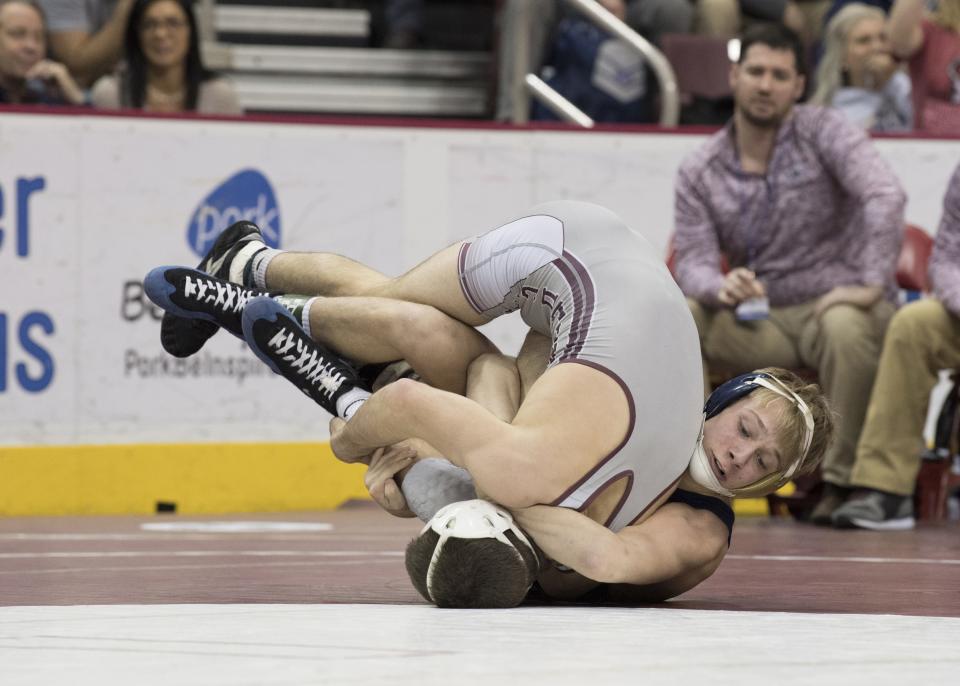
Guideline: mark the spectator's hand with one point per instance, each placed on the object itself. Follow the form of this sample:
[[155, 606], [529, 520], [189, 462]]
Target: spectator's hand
[[343, 447], [57, 74], [794, 20], [385, 464], [738, 285], [879, 68], [617, 8], [858, 296]]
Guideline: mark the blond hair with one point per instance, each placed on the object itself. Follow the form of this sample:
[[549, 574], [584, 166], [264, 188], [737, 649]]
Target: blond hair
[[947, 14], [830, 70], [791, 427]]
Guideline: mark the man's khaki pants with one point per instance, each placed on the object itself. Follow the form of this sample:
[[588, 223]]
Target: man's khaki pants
[[843, 346], [923, 338]]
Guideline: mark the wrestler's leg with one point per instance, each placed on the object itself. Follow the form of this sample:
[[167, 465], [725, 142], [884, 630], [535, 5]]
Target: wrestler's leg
[[468, 280], [433, 282], [368, 330]]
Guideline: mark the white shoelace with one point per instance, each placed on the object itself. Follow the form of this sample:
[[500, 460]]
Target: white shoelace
[[227, 297], [306, 362]]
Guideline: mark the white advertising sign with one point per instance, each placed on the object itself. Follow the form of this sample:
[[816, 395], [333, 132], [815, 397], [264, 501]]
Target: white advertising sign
[[89, 204]]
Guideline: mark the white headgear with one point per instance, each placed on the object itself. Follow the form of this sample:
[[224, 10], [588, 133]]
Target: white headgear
[[471, 519]]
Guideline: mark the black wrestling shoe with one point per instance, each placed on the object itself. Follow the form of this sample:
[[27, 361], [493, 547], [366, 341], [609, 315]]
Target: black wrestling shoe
[[193, 296], [183, 337], [277, 339], [376, 375]]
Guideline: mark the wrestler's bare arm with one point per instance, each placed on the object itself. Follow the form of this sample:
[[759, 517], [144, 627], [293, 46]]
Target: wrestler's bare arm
[[498, 455], [495, 381], [677, 547]]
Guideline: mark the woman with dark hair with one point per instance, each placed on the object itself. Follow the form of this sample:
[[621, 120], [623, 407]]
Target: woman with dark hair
[[163, 71]]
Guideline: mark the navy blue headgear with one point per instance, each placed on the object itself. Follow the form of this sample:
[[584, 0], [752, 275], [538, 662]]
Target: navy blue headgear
[[730, 392]]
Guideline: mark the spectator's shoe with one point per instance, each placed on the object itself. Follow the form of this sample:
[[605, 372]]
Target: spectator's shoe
[[402, 39], [833, 496], [191, 295], [277, 339], [876, 510], [183, 337]]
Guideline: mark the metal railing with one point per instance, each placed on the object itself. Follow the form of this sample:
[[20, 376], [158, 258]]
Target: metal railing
[[530, 85]]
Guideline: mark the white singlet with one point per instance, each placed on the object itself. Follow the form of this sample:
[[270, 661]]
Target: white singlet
[[604, 296]]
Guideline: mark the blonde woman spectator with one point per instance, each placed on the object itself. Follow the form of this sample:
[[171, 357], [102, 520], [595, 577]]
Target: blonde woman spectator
[[858, 75], [26, 77], [932, 43], [164, 72]]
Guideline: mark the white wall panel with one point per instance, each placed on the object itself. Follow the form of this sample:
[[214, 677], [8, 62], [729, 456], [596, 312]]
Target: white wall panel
[[118, 196]]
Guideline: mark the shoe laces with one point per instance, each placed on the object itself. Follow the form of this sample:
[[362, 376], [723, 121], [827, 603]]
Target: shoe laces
[[307, 362], [227, 297]]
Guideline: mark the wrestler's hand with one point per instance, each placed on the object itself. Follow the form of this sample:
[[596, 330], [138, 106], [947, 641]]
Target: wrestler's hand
[[380, 479], [343, 448], [740, 284]]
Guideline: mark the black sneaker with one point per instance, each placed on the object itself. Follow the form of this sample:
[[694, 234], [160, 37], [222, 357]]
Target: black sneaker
[[376, 375], [193, 296], [279, 340], [183, 337], [831, 498], [876, 510]]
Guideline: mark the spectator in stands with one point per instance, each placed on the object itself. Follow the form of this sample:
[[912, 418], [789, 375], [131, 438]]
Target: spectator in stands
[[163, 71], [26, 77], [87, 35], [404, 19], [857, 74], [932, 44], [532, 23], [923, 338], [837, 5], [725, 18], [809, 217]]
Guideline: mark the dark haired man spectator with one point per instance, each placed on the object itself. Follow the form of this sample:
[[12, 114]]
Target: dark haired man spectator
[[87, 35], [923, 338], [26, 77], [810, 219]]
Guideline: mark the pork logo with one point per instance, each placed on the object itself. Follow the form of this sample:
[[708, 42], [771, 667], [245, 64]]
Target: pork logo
[[245, 195]]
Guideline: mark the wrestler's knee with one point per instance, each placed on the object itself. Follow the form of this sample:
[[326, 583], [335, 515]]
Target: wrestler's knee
[[425, 328]]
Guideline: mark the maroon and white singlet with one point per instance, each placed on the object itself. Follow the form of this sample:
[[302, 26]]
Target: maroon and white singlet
[[605, 298]]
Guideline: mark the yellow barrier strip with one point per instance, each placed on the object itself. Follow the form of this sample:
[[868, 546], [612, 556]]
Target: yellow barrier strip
[[201, 478], [198, 478]]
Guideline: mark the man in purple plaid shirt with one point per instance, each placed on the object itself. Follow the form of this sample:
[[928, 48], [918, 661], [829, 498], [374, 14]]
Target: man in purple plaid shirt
[[810, 220]]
